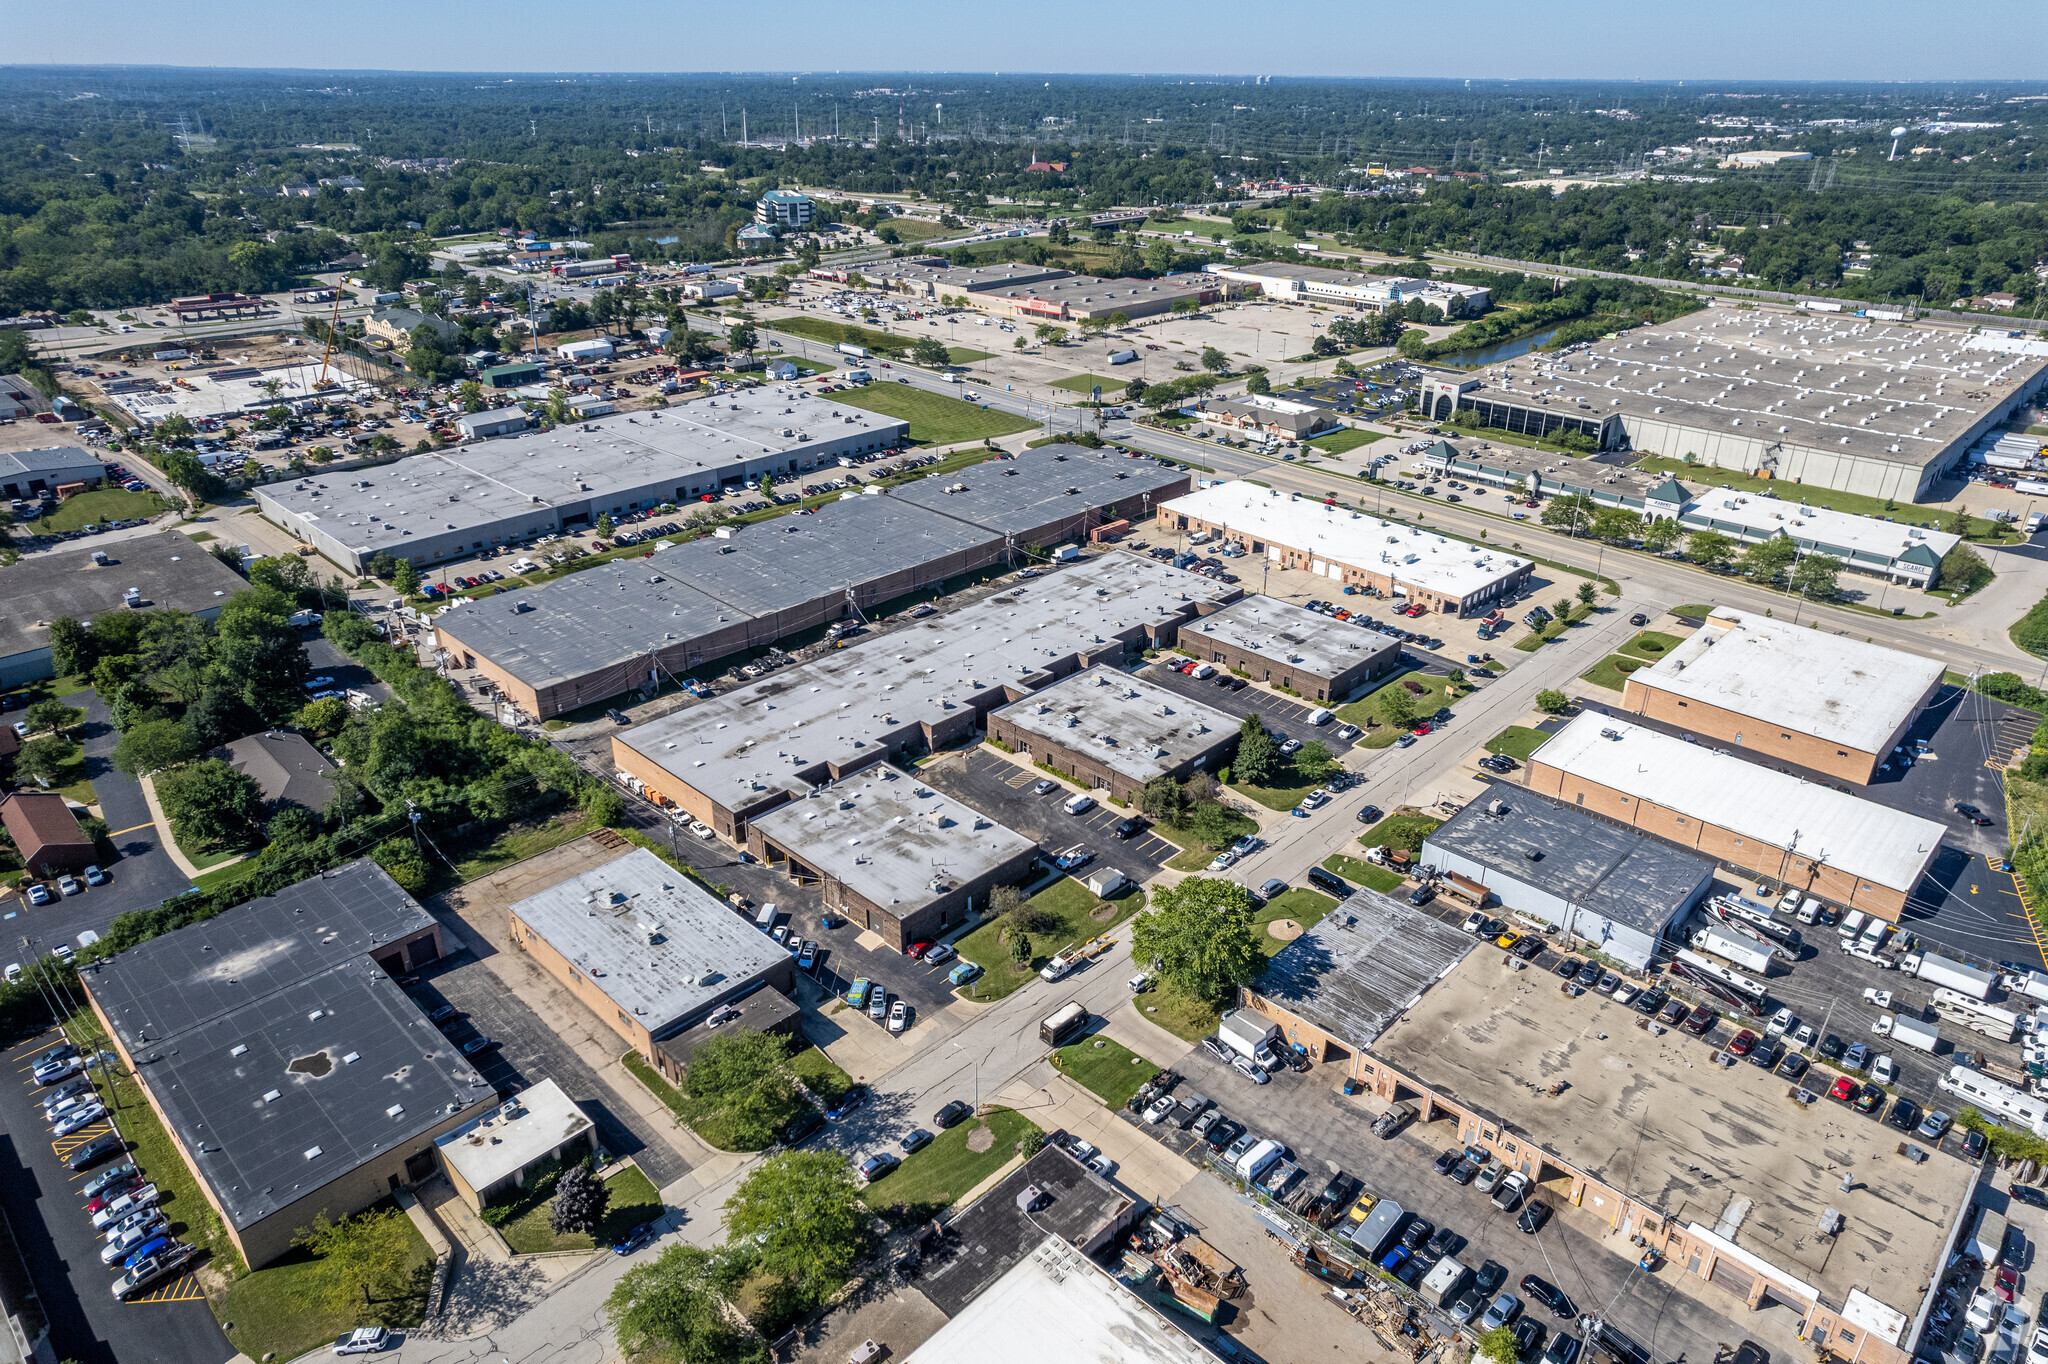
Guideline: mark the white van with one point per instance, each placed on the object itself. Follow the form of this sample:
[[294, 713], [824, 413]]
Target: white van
[[1851, 925], [1079, 805], [765, 920], [1253, 1163], [1203, 670], [1321, 717], [1873, 934]]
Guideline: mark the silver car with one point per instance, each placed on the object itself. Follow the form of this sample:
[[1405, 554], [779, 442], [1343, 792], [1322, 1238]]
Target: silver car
[[1500, 1312]]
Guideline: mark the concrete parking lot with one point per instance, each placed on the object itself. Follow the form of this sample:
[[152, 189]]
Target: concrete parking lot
[[1008, 791], [46, 1214]]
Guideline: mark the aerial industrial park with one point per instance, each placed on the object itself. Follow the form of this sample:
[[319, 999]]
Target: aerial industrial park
[[769, 753]]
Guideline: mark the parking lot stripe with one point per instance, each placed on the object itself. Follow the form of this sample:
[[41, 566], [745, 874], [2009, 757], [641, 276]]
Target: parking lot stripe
[[130, 829], [186, 1289]]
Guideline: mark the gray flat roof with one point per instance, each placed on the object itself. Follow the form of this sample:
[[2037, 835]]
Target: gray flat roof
[[168, 569], [1286, 633], [971, 278], [1040, 486], [44, 457], [499, 1144], [1366, 962], [790, 560], [276, 1046], [994, 1234], [573, 464], [1626, 877], [889, 838], [1092, 291], [601, 922], [1129, 726], [743, 744], [1889, 391]]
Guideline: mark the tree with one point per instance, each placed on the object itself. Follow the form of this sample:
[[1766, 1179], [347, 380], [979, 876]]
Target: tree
[[1498, 1346], [1586, 593], [1200, 933], [1552, 702], [930, 352], [1258, 383], [1214, 360], [1963, 569], [1571, 512], [184, 470], [1160, 801], [1817, 576], [1616, 525], [323, 719], [1710, 549], [1660, 535], [287, 573], [212, 805], [52, 716], [405, 578], [742, 337], [1397, 705], [804, 1214], [1020, 947], [580, 1201], [472, 395], [155, 745], [1135, 390], [358, 1260], [256, 645], [604, 526], [1764, 561], [45, 758], [1563, 609], [673, 1308], [1211, 824], [71, 647], [1313, 762], [747, 1075], [1959, 523], [1258, 757]]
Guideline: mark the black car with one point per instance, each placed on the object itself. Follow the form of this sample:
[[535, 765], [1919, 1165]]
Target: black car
[[1336, 1196], [1529, 948], [1793, 1066], [952, 1114], [1465, 1171], [1422, 895], [1126, 828], [1324, 879], [1448, 1160], [1550, 1295], [93, 1152], [1973, 1145], [1533, 1217], [1649, 1001], [1568, 968], [809, 1121], [442, 1016], [1223, 1133], [1370, 815], [1445, 1242], [1831, 1047], [1529, 1334], [1490, 1277], [1766, 1053], [853, 1098], [1905, 1115], [1869, 1100], [1419, 1231]]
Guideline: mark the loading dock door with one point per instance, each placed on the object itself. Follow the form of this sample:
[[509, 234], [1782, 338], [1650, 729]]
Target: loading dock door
[[1732, 1277]]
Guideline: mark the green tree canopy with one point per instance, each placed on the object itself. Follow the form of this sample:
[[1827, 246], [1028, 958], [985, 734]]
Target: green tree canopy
[[803, 1211], [1764, 561], [1552, 702], [1818, 576], [358, 1261], [1200, 933], [153, 746], [1573, 513], [1258, 757], [212, 805], [1710, 549], [674, 1308]]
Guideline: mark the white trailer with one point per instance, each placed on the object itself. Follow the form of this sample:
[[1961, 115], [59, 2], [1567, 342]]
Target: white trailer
[[1249, 1035], [1745, 952], [2001, 1100], [1728, 976], [1909, 1032], [1950, 973], [1979, 1017]]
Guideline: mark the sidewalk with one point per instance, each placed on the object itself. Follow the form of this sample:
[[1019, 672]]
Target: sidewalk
[[170, 844]]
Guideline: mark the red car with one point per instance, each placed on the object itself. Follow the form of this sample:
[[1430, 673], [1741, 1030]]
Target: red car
[[916, 950], [1844, 1090], [1742, 1043], [1422, 728]]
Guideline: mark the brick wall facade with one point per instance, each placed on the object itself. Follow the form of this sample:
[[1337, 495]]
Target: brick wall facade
[[899, 925], [1809, 751], [1086, 768], [1315, 686]]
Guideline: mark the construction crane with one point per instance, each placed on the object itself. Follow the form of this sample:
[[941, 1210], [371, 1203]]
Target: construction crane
[[323, 383]]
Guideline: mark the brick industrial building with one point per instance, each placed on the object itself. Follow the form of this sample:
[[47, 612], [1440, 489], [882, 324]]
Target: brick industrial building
[[892, 855], [1112, 732], [46, 833], [1818, 700], [601, 633], [1639, 1135], [1303, 651], [925, 686], [1351, 548], [1763, 822], [645, 948], [293, 1074]]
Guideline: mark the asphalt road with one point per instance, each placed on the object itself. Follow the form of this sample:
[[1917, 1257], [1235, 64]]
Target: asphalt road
[[172, 1325]]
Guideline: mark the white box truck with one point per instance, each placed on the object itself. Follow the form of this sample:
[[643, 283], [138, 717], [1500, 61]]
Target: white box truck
[[1742, 951], [1249, 1034], [1253, 1163], [1444, 1282], [1912, 1032], [1946, 971]]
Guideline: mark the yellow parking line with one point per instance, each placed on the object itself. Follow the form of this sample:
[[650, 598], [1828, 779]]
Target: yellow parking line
[[118, 832]]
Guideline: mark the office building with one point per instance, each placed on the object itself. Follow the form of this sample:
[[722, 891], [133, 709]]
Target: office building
[[1305, 652], [490, 1158], [1822, 701], [785, 210], [1291, 282], [1112, 732]]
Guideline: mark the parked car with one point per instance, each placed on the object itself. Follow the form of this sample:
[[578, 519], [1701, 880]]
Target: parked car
[[1550, 1295], [853, 1098], [153, 1271]]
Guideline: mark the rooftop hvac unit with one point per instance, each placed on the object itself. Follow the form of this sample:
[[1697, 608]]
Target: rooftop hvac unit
[[1497, 807]]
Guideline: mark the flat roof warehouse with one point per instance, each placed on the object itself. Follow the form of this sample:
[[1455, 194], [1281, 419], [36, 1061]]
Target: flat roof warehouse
[[595, 634], [451, 502]]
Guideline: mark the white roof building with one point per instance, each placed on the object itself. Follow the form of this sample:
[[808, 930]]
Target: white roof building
[[1856, 837], [1345, 544], [1857, 696]]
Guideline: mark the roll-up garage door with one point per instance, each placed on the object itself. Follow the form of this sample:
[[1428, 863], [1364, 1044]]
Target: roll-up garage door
[[1732, 1277]]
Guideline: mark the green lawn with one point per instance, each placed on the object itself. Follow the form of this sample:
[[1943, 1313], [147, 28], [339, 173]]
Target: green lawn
[[943, 1173], [1696, 610], [1076, 909], [820, 1075], [711, 1123], [1188, 1019], [1084, 383], [1108, 1070], [634, 1200], [1612, 671], [1553, 630], [102, 504], [1286, 790], [966, 355], [833, 333], [474, 858], [1194, 855], [1305, 907], [934, 418], [1362, 873], [918, 229], [1517, 742], [70, 780], [225, 876], [1436, 692], [1350, 438], [276, 1310], [1400, 831], [1652, 644]]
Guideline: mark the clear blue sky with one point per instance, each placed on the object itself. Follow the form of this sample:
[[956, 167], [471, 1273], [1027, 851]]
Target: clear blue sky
[[1651, 39]]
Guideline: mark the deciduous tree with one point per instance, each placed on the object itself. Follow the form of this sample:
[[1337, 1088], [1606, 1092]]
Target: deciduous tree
[[803, 1212], [580, 1200], [1200, 933], [155, 745], [673, 1308], [1258, 757], [359, 1260]]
